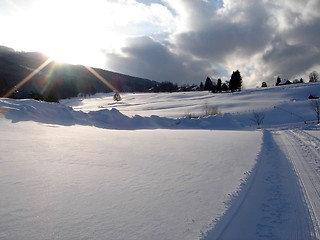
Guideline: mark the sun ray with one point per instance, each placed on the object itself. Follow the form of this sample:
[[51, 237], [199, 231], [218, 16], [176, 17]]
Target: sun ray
[[102, 79], [27, 78], [49, 79], [43, 65]]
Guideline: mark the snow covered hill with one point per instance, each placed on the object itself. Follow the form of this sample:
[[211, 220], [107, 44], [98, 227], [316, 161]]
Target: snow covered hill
[[142, 168], [280, 106]]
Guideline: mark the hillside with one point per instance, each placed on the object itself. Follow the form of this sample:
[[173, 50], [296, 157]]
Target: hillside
[[57, 80], [281, 106]]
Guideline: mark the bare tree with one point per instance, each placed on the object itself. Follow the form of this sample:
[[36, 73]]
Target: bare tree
[[258, 118], [314, 76], [315, 106], [210, 110]]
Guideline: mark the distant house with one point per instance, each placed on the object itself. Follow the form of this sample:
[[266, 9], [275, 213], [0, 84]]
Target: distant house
[[284, 82], [312, 97]]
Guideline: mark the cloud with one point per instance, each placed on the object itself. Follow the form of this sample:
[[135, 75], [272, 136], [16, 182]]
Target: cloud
[[148, 58], [183, 41], [291, 60], [262, 39]]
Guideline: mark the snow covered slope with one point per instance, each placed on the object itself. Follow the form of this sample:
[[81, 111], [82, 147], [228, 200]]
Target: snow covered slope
[[280, 105]]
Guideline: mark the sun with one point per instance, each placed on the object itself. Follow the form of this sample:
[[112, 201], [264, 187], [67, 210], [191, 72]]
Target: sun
[[69, 31], [76, 31]]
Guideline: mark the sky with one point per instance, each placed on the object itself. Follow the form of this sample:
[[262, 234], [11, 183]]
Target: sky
[[181, 41]]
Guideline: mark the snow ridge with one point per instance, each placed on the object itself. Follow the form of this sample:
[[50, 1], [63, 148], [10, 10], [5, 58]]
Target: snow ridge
[[54, 113]]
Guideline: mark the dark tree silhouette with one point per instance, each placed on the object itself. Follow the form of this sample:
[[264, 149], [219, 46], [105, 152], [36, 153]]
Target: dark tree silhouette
[[208, 85], [235, 81], [278, 81], [219, 85], [166, 87], [201, 86], [264, 84], [224, 87]]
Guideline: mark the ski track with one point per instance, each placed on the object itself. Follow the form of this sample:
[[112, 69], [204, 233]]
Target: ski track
[[277, 201], [304, 153]]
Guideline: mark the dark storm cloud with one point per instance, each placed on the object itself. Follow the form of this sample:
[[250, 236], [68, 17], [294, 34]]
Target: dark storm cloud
[[147, 58], [246, 28], [307, 33], [217, 42], [288, 60]]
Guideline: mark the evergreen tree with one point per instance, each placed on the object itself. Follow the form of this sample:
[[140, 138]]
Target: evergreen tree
[[201, 86], [264, 84], [278, 81], [219, 85], [208, 85], [224, 87], [235, 81], [214, 88]]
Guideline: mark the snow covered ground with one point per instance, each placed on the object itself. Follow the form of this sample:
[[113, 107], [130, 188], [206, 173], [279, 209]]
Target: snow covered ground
[[138, 169]]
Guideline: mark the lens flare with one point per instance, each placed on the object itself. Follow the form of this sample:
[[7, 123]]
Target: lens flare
[[48, 79], [43, 65], [27, 78], [3, 110], [102, 79]]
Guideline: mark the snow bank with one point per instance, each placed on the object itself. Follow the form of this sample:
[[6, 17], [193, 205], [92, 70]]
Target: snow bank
[[54, 113]]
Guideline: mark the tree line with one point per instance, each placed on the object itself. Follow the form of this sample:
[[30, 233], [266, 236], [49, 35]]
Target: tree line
[[313, 77], [233, 85]]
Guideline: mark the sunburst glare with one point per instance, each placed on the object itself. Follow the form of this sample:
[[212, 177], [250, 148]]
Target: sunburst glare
[[102, 79], [27, 78]]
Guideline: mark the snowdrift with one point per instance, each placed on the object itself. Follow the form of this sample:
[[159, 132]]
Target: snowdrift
[[55, 113]]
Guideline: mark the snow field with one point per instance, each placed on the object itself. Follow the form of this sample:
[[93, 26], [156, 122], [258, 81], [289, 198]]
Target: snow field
[[282, 106], [87, 183]]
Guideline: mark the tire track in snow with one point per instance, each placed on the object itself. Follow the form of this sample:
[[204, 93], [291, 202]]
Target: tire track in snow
[[271, 204], [303, 150]]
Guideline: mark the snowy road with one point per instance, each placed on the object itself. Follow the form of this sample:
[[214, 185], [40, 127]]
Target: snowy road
[[281, 197]]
